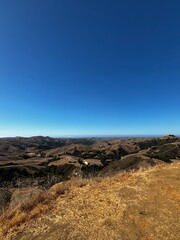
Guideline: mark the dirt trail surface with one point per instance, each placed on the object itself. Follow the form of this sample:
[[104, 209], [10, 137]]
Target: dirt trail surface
[[143, 205]]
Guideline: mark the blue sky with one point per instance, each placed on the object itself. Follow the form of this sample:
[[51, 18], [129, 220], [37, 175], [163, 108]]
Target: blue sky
[[89, 67]]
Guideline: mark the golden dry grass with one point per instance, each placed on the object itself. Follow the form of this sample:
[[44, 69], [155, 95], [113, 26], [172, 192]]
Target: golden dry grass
[[144, 205]]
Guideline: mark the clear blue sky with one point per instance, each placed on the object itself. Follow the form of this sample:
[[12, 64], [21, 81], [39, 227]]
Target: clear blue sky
[[80, 67]]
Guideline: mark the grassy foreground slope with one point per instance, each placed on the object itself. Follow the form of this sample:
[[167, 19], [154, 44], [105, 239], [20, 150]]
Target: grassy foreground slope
[[143, 205]]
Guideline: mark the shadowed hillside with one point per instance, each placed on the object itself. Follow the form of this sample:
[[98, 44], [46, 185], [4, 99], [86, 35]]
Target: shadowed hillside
[[42, 158]]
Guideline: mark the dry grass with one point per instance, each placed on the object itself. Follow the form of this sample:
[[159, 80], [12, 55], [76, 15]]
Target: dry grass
[[24, 211], [143, 205], [30, 203]]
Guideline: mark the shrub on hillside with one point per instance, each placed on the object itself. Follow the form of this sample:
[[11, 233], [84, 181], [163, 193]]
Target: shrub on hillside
[[27, 198], [5, 197]]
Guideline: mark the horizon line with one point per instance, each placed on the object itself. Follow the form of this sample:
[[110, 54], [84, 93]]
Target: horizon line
[[92, 136]]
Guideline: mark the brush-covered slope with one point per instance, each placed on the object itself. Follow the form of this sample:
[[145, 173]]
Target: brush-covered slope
[[39, 158], [143, 205]]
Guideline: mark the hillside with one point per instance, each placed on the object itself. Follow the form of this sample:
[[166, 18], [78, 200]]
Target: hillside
[[41, 158], [142, 205], [89, 188]]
